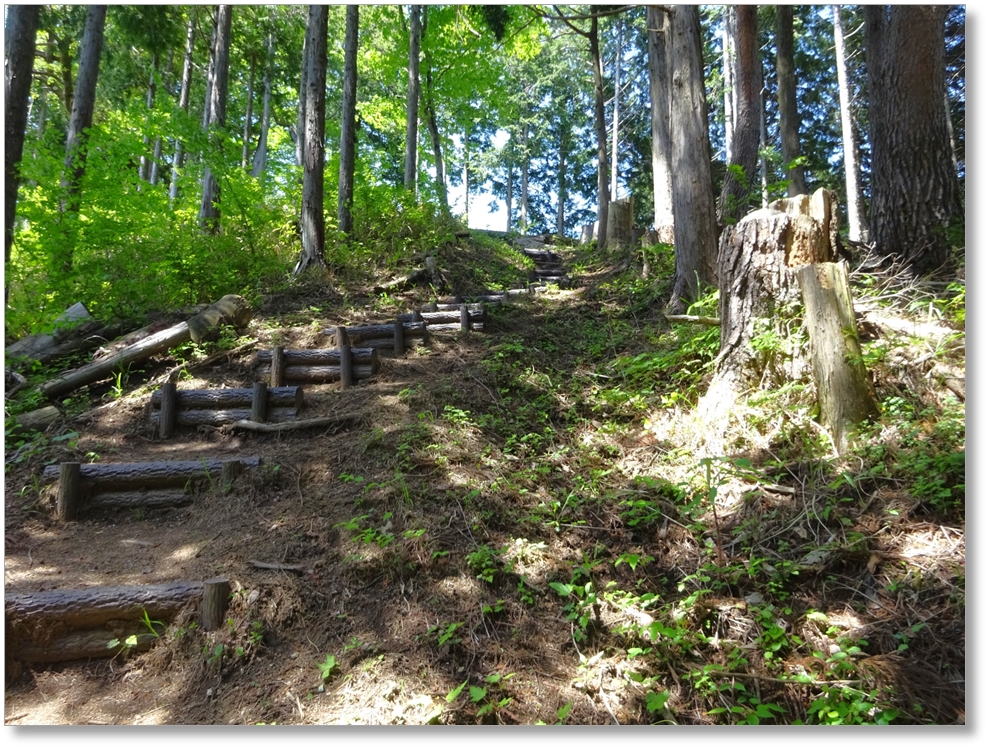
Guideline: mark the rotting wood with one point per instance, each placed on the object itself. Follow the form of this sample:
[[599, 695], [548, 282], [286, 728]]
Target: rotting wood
[[148, 475], [231, 309]]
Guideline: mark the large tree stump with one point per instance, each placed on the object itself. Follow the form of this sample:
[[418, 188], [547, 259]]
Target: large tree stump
[[760, 304], [621, 223]]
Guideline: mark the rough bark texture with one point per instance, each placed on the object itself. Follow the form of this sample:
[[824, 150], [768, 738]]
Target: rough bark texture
[[787, 94], [695, 225], [915, 193], [313, 222], [728, 73], [736, 191], [844, 393], [22, 27], [209, 208], [261, 154], [348, 123], [854, 200], [412, 101], [621, 223], [248, 115], [601, 128], [659, 96], [234, 397], [130, 476]]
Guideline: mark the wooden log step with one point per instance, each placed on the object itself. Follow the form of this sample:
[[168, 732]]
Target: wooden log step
[[232, 397], [324, 373], [474, 307], [109, 476], [433, 318], [214, 417], [478, 326], [385, 330], [150, 500], [60, 625], [487, 297], [330, 357]]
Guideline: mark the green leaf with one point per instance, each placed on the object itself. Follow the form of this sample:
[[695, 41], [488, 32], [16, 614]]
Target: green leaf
[[455, 692], [478, 693], [656, 701]]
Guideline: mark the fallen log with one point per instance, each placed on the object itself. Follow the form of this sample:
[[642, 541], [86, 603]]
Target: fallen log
[[422, 277], [288, 426], [154, 474], [219, 417], [434, 318], [231, 309], [478, 326], [232, 397], [38, 345], [38, 420], [147, 499], [386, 330], [331, 357], [322, 374], [699, 319]]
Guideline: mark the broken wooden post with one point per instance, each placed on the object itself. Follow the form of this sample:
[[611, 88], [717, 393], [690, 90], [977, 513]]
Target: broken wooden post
[[278, 366], [69, 490], [168, 411], [434, 306], [216, 594], [259, 403], [346, 359], [844, 394]]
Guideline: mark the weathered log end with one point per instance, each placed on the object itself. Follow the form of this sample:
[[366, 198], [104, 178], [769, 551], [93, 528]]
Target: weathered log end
[[231, 309]]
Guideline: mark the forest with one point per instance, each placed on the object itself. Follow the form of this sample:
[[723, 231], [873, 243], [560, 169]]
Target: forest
[[485, 364]]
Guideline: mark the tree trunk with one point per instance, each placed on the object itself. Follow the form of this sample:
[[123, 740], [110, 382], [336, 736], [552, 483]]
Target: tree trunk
[[81, 119], [509, 187], [915, 193], [614, 122], [694, 224], [144, 167], [735, 192], [561, 178], [601, 128], [857, 227], [728, 54], [190, 39], [412, 101], [261, 154], [209, 208], [348, 123], [300, 137], [429, 105], [313, 223], [659, 97], [21, 31], [524, 182], [246, 148], [787, 94], [621, 223]]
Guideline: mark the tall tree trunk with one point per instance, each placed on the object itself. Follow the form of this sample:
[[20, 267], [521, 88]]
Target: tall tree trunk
[[21, 32], [190, 40], [348, 123], [787, 93], [300, 130], [694, 224], [209, 208], [614, 124], [601, 128], [313, 223], [561, 188], [659, 96], [854, 200], [412, 102], [915, 193], [429, 105], [261, 154], [728, 53], [81, 119], [246, 149], [524, 182], [144, 168], [735, 191], [509, 187]]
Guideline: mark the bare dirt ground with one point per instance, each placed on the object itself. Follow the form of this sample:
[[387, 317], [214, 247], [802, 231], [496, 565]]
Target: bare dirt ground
[[379, 520]]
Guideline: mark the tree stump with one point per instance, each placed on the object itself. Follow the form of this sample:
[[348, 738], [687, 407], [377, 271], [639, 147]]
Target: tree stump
[[621, 223]]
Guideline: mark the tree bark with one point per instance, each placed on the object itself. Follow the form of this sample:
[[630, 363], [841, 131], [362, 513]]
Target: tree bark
[[313, 222], [209, 208], [190, 39], [915, 193], [21, 32], [151, 475], [524, 181], [728, 55], [412, 101], [144, 167], [694, 222], [261, 154], [615, 113], [735, 192], [854, 200], [81, 119], [248, 115], [659, 98], [300, 137], [601, 128], [348, 123], [787, 94]]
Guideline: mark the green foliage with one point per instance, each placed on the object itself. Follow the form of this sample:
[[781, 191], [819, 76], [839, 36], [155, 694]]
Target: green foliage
[[328, 666]]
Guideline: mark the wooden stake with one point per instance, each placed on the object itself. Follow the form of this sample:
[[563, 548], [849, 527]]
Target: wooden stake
[[346, 359], [69, 489], [464, 319], [229, 473], [169, 410], [216, 593], [399, 338], [259, 402], [278, 366]]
